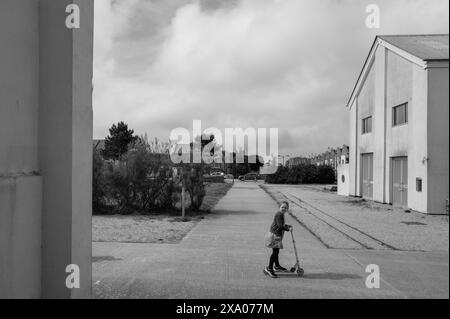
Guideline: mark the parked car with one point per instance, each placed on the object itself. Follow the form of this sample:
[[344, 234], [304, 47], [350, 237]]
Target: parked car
[[229, 176], [217, 174], [249, 177]]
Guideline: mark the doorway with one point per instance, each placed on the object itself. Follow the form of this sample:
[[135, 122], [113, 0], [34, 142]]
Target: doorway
[[367, 176], [400, 181]]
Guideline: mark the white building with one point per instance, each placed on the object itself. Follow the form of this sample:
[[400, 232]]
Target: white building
[[399, 124]]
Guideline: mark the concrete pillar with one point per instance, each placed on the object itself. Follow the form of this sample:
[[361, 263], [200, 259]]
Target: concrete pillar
[[20, 180], [65, 145], [20, 236], [45, 148]]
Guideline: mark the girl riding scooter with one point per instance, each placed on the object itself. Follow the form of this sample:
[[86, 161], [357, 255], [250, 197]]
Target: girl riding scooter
[[274, 240]]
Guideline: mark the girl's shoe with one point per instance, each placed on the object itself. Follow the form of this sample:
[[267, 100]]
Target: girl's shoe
[[279, 268], [270, 272]]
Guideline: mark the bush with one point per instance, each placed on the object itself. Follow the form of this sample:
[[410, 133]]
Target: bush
[[98, 183], [150, 178], [303, 174], [326, 175], [141, 181], [194, 184]]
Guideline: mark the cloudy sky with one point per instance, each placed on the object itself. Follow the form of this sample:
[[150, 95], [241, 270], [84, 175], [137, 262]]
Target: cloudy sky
[[289, 64]]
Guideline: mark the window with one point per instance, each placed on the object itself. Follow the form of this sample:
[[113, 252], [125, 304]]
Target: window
[[419, 185], [400, 114], [367, 125]]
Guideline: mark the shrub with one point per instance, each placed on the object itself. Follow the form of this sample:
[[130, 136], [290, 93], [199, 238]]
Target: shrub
[[194, 185], [302, 174], [326, 175], [98, 183], [142, 181]]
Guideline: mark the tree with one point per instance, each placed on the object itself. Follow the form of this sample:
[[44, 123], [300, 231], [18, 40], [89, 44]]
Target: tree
[[302, 174], [116, 144], [252, 164], [326, 175], [98, 182]]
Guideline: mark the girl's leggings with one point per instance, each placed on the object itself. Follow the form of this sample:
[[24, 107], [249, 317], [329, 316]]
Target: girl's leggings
[[274, 258]]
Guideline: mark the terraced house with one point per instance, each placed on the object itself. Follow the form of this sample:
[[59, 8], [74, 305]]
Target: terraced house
[[399, 124]]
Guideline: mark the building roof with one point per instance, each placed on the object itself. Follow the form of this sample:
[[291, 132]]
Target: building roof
[[98, 144], [425, 47], [423, 50]]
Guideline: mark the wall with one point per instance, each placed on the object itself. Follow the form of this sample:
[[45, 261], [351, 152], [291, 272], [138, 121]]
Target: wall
[[438, 139], [343, 170], [20, 183], [392, 80], [45, 148], [398, 91], [406, 82], [65, 145], [353, 142], [379, 125], [366, 105], [19, 86], [418, 146]]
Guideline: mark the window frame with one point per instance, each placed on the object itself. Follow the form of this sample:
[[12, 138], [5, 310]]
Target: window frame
[[394, 114]]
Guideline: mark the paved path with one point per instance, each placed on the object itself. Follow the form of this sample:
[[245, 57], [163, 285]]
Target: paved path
[[223, 257]]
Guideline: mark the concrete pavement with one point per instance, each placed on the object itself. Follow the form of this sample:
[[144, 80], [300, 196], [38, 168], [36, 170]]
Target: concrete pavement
[[223, 257]]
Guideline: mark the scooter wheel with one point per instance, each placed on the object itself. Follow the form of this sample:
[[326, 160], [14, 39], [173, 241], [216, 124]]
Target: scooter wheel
[[300, 272], [293, 269]]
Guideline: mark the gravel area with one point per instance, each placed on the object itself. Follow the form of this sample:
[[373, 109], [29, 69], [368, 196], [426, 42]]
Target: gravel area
[[400, 230], [141, 229]]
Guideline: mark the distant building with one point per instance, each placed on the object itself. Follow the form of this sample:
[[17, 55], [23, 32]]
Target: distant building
[[98, 145], [332, 157], [296, 161], [399, 124]]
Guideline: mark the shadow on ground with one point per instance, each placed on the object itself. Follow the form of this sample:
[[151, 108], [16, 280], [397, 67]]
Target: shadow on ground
[[327, 275], [233, 212]]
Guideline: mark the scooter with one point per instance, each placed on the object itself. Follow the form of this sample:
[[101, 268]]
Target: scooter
[[296, 269], [299, 270]]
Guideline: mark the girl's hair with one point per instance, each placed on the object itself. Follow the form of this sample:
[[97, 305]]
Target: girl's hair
[[285, 202]]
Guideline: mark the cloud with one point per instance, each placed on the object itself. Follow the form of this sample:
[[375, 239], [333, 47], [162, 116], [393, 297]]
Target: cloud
[[247, 63]]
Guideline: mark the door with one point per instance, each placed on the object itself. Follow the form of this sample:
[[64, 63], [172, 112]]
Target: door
[[400, 181], [367, 176]]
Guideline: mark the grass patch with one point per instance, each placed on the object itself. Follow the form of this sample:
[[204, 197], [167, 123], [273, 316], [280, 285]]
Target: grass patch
[[214, 193], [141, 229], [165, 228]]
